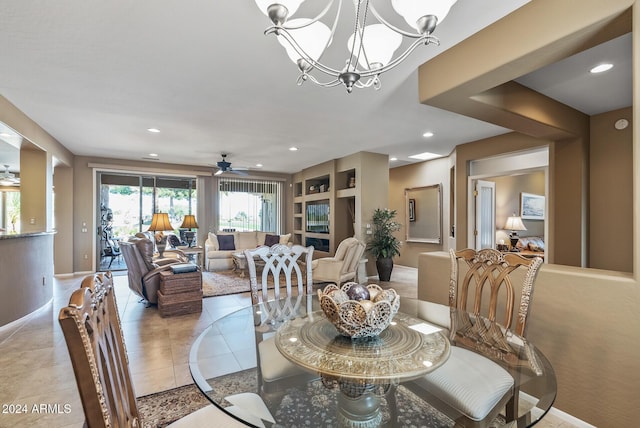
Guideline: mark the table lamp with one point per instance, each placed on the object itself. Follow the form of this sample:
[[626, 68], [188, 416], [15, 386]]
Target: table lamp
[[159, 223], [513, 224], [189, 222]]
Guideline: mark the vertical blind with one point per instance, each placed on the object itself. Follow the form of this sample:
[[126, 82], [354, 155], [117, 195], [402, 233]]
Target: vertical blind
[[260, 210]]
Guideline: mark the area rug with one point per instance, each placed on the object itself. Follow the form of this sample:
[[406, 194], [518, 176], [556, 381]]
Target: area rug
[[161, 409], [313, 405], [223, 282]]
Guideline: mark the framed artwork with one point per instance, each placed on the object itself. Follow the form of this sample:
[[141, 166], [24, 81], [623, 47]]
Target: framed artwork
[[531, 206], [412, 210]]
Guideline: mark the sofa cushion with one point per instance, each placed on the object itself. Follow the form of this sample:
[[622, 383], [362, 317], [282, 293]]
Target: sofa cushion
[[270, 240], [213, 240], [284, 239], [226, 242], [220, 254], [247, 240]]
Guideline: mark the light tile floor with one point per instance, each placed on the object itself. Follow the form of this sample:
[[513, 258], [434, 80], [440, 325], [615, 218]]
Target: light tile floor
[[35, 369]]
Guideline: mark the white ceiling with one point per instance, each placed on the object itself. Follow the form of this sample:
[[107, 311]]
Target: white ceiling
[[97, 74]]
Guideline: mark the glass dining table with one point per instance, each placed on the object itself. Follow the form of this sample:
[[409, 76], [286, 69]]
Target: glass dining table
[[282, 364]]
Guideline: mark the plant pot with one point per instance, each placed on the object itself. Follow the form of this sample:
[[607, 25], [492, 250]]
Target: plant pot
[[384, 266]]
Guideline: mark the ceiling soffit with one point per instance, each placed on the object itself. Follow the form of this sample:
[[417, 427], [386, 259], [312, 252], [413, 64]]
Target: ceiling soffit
[[540, 33]]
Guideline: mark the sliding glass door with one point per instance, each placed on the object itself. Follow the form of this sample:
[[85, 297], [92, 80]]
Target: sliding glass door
[[127, 203]]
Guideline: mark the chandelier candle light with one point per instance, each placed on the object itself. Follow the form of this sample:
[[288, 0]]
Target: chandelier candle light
[[159, 223], [370, 46]]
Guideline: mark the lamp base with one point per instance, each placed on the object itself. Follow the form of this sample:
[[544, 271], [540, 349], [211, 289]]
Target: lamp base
[[189, 237], [514, 242], [161, 245]]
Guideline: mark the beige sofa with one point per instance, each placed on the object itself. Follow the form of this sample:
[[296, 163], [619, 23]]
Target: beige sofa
[[219, 247]]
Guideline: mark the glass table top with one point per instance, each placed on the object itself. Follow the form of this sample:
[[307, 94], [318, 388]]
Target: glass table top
[[282, 363]]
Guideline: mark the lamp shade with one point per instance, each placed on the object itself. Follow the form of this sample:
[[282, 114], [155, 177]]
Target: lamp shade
[[379, 44], [412, 10], [514, 223], [312, 39], [189, 222], [291, 5], [160, 222]]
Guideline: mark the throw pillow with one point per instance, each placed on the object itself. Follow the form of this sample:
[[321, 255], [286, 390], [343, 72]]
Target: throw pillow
[[214, 241], [284, 239], [270, 240], [225, 242]]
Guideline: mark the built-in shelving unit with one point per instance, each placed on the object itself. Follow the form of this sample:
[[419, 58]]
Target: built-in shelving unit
[[350, 188]]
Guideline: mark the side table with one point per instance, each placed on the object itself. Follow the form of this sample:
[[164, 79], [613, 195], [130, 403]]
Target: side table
[[180, 293], [195, 255]]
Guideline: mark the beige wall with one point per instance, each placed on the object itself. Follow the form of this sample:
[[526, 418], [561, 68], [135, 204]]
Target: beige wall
[[585, 320], [611, 194], [418, 175], [588, 333], [63, 206], [508, 190]]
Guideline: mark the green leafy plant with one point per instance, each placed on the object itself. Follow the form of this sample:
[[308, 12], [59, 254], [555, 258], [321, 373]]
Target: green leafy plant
[[383, 243]]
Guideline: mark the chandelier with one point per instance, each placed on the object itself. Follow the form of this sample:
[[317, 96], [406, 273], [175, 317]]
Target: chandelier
[[370, 47]]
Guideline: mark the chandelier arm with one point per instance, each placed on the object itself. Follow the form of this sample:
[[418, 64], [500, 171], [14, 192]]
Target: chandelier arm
[[399, 59], [330, 84], [393, 27], [333, 27], [289, 38], [358, 31], [312, 21]]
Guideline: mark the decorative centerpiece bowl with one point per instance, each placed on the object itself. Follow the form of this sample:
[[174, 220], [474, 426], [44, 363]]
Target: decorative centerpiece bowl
[[359, 311]]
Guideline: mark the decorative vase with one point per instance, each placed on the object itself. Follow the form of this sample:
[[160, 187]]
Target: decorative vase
[[384, 266]]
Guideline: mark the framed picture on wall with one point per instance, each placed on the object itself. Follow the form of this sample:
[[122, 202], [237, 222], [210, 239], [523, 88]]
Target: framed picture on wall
[[412, 210], [531, 206]]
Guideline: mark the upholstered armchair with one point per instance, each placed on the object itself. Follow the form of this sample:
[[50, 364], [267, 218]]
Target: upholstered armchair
[[142, 269], [343, 266]]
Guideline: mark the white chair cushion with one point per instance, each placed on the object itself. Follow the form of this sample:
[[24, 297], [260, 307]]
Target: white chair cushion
[[468, 382], [206, 417], [273, 365]]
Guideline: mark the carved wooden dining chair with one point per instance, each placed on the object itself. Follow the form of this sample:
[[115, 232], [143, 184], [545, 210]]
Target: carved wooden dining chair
[[490, 298], [93, 333], [282, 268]]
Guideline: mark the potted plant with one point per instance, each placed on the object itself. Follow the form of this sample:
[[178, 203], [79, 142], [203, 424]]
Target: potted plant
[[383, 245]]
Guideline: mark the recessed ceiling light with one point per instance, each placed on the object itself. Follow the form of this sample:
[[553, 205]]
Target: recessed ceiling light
[[153, 155], [154, 130], [293, 149], [259, 165], [393, 159], [601, 68], [425, 156], [427, 134]]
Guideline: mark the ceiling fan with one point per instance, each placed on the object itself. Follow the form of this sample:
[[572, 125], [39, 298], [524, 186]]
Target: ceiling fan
[[224, 166], [8, 178]]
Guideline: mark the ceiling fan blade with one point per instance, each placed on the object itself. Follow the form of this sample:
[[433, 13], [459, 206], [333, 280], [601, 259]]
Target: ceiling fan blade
[[218, 172], [239, 171]]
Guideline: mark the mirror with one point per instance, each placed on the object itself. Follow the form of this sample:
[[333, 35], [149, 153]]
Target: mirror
[[424, 214]]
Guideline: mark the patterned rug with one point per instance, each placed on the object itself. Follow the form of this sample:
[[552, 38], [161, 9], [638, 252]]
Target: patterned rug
[[160, 409], [313, 405], [223, 282]]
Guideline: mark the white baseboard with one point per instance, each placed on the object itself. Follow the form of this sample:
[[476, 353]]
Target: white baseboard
[[566, 417], [557, 413]]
